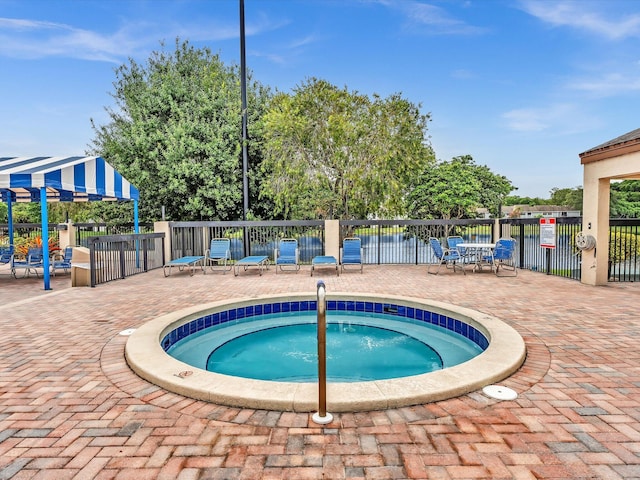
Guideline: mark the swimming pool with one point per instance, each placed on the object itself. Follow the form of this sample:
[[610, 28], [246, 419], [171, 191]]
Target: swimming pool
[[504, 352]]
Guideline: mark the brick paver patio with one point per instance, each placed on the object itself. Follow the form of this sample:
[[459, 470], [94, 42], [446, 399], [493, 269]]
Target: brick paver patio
[[71, 409]]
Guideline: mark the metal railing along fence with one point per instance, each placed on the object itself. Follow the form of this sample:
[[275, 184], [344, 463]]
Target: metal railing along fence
[[114, 257], [92, 229], [28, 234], [563, 261], [384, 241], [407, 241], [29, 229], [624, 250], [248, 238]]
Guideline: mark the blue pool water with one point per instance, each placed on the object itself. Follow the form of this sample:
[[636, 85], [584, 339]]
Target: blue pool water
[[354, 352], [360, 347]]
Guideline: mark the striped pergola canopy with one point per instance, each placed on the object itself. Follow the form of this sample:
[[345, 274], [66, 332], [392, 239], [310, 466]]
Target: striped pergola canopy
[[60, 179], [66, 179]]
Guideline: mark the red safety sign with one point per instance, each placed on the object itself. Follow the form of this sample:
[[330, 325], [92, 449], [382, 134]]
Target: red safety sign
[[548, 232]]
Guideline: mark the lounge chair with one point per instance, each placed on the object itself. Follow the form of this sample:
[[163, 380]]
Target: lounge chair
[[31, 262], [351, 253], [287, 254], [61, 261], [219, 254], [324, 261], [260, 261], [503, 255], [189, 262], [450, 258]]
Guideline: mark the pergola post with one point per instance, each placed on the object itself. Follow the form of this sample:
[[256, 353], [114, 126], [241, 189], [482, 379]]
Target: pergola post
[[595, 222], [45, 237], [10, 216]]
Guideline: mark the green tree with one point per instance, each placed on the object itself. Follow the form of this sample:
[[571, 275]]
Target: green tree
[[517, 200], [567, 197], [332, 153], [175, 133], [625, 199], [57, 212], [455, 189]]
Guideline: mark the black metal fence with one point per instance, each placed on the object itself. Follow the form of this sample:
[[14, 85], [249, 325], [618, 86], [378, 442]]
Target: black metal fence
[[30, 230], [624, 250], [384, 242], [87, 230], [247, 238], [407, 241], [563, 261], [113, 257]]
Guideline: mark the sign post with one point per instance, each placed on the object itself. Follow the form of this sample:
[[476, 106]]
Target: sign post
[[548, 238]]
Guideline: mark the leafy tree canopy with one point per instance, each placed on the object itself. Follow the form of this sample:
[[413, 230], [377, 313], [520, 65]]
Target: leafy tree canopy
[[517, 200], [625, 199], [332, 153], [175, 133], [455, 189], [567, 197]]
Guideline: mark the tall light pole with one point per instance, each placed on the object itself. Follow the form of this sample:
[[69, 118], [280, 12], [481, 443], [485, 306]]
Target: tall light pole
[[245, 157], [243, 94]]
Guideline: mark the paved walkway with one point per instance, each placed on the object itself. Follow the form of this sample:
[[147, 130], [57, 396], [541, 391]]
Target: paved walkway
[[71, 409]]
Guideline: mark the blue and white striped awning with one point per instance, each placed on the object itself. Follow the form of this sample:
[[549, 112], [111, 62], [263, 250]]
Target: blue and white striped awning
[[66, 179]]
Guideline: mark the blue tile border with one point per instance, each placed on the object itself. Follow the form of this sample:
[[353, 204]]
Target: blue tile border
[[233, 314]]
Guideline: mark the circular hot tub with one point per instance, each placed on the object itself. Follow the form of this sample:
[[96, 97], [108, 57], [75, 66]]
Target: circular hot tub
[[501, 348]]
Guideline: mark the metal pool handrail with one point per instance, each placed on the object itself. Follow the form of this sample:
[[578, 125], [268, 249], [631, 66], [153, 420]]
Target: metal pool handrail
[[321, 416]]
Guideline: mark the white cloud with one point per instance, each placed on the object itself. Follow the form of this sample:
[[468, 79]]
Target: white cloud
[[556, 119], [431, 19], [301, 42], [526, 120], [24, 38], [583, 16], [28, 38], [609, 84]]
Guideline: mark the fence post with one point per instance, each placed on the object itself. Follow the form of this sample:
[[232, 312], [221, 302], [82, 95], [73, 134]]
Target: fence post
[[145, 247], [92, 263], [67, 237], [123, 273], [164, 227], [496, 233], [332, 238], [379, 229], [522, 240]]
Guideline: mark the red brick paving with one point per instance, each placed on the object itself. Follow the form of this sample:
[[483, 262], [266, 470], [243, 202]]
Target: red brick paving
[[71, 408]]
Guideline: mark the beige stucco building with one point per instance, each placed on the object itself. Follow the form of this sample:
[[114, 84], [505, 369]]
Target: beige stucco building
[[617, 159]]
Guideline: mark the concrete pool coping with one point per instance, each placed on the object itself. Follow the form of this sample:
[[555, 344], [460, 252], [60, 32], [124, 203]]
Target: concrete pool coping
[[504, 356]]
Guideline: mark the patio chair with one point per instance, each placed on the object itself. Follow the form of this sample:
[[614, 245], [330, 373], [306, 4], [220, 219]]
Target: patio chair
[[6, 252], [466, 256], [31, 262], [287, 254], [61, 261], [219, 254], [351, 253], [449, 258], [6, 255], [503, 255]]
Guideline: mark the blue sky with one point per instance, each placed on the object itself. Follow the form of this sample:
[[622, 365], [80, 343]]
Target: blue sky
[[523, 86]]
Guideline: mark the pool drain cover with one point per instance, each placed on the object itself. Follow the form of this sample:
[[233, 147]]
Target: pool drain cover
[[127, 332], [500, 392]]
